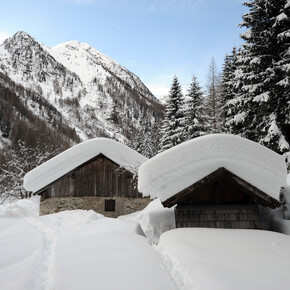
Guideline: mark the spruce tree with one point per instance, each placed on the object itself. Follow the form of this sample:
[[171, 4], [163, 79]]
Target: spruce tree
[[263, 72], [146, 140], [213, 106], [282, 68], [172, 132], [195, 113], [228, 90]]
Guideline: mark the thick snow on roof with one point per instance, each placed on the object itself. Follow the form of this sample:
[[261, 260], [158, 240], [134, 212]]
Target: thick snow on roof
[[181, 166], [75, 156]]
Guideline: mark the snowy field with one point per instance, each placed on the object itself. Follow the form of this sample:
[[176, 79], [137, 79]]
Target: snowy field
[[78, 250], [227, 259], [85, 250]]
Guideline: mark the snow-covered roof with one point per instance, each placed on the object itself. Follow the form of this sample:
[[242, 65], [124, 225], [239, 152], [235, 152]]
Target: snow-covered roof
[[75, 156], [173, 170]]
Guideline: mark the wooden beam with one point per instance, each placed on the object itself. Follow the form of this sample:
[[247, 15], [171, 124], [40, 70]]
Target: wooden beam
[[264, 198]]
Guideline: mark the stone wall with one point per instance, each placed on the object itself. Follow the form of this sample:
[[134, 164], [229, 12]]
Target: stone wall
[[123, 206]]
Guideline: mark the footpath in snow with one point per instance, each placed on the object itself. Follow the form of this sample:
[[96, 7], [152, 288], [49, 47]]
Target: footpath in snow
[[84, 250], [77, 250]]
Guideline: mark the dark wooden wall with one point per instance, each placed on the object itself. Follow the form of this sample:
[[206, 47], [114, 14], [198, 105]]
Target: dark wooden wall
[[218, 205], [97, 177], [220, 192]]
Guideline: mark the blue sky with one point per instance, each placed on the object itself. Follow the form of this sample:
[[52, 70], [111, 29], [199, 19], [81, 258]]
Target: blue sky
[[154, 39]]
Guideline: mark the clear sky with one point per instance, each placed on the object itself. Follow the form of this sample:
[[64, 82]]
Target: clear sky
[[155, 39]]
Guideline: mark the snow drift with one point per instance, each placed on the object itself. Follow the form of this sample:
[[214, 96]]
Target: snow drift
[[79, 154], [154, 220], [21, 208], [181, 166], [77, 250], [223, 259]]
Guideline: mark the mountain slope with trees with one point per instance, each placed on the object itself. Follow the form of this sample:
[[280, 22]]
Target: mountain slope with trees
[[46, 105]]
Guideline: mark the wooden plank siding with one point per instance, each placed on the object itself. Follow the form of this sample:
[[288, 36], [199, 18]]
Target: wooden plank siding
[[99, 177], [218, 216]]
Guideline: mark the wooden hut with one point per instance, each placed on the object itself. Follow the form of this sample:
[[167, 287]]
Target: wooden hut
[[99, 174], [215, 181], [220, 200]]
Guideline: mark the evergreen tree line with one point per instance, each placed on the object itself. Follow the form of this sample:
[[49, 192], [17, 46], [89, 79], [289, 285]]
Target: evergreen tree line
[[250, 97], [184, 119], [256, 88]]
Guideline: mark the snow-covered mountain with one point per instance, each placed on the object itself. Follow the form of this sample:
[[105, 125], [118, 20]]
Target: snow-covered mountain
[[88, 91], [91, 65]]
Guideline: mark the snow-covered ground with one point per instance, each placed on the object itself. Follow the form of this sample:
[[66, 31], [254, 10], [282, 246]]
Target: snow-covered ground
[[77, 250], [222, 259], [85, 250]]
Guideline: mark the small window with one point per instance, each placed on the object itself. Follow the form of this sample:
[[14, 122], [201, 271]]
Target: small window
[[109, 205]]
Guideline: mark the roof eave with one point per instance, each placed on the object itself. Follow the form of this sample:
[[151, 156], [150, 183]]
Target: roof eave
[[263, 197]]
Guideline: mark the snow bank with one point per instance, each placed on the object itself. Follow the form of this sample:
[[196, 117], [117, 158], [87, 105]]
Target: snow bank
[[285, 223], [70, 220], [78, 250], [227, 259], [108, 254], [277, 219], [20, 243], [22, 208], [179, 167], [68, 160], [154, 220]]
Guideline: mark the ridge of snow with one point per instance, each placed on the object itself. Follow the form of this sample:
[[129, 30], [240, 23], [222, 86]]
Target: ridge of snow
[[88, 63], [75, 156], [181, 166]]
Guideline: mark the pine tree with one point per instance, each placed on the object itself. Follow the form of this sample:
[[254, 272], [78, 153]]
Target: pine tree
[[228, 90], [173, 123], [263, 74], [195, 113], [213, 105], [146, 140], [282, 68]]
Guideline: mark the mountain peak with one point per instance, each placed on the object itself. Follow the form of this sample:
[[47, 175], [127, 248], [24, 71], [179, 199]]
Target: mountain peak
[[20, 38], [90, 91], [72, 45], [23, 35]]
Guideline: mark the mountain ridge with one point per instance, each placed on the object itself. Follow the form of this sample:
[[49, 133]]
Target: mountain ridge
[[93, 93]]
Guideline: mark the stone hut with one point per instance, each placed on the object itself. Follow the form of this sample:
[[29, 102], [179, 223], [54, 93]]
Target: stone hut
[[215, 181], [98, 174]]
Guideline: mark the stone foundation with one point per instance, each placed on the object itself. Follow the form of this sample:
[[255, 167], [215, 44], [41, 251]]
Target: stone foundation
[[123, 206]]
